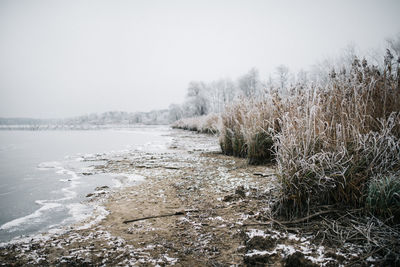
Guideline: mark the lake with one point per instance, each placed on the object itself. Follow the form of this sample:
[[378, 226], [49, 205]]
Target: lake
[[41, 181]]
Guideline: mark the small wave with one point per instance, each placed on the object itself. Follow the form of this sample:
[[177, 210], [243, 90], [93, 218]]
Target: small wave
[[31, 217]]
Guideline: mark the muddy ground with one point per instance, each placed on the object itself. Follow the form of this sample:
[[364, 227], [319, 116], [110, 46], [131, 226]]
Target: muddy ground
[[210, 200]]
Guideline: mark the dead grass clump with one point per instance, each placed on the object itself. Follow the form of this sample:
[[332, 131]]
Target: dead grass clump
[[231, 137], [248, 129]]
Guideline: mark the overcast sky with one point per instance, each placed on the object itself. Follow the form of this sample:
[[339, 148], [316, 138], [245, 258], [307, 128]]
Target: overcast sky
[[67, 58]]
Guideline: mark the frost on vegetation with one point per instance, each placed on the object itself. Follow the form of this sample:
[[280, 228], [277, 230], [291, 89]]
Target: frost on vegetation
[[330, 148], [333, 141], [247, 130], [209, 124]]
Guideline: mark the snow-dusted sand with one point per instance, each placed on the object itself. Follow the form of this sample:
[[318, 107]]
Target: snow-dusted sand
[[221, 193]]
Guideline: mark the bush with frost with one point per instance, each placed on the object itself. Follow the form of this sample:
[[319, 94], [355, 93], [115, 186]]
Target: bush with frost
[[203, 124]]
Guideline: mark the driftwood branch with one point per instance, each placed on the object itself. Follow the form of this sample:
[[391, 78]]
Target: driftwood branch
[[178, 213]]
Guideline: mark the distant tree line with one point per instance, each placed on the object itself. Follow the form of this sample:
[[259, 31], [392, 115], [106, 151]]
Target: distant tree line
[[203, 98]]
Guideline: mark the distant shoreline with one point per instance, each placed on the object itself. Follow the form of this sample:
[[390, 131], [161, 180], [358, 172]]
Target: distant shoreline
[[45, 127]]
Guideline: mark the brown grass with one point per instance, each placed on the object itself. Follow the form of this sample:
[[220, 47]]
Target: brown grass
[[329, 142]]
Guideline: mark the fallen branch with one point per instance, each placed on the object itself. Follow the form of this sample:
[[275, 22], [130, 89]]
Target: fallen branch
[[263, 174], [178, 213], [171, 167]]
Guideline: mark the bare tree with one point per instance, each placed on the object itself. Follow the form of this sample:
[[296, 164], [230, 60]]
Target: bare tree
[[249, 83], [197, 98], [222, 92], [175, 112], [282, 72], [302, 77]]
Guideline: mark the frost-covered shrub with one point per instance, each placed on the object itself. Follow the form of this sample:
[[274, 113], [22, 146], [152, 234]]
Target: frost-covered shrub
[[209, 124]]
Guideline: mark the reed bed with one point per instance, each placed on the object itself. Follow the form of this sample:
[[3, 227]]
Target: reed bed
[[248, 127], [337, 143]]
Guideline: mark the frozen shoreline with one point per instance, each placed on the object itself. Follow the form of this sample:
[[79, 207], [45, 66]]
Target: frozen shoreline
[[79, 209], [74, 177], [226, 193]]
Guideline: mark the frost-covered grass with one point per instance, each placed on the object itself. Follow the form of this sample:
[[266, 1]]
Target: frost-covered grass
[[248, 127], [209, 124], [332, 143], [333, 140]]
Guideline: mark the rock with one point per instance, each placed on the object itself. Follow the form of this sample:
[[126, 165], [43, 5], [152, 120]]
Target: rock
[[89, 195], [87, 173], [297, 259], [256, 260], [99, 188]]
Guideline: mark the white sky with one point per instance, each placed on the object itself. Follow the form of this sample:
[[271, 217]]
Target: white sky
[[67, 58]]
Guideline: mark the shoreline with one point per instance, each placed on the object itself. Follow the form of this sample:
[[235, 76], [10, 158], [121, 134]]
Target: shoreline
[[209, 199]]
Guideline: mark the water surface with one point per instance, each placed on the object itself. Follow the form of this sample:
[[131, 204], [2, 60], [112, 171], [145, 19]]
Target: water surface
[[41, 181]]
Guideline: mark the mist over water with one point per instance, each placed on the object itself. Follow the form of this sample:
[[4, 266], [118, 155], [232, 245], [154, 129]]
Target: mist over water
[[41, 181]]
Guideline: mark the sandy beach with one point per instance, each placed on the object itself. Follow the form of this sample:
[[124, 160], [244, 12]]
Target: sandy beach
[[203, 204]]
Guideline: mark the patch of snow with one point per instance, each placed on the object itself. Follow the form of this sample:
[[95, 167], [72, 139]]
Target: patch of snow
[[259, 253]]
